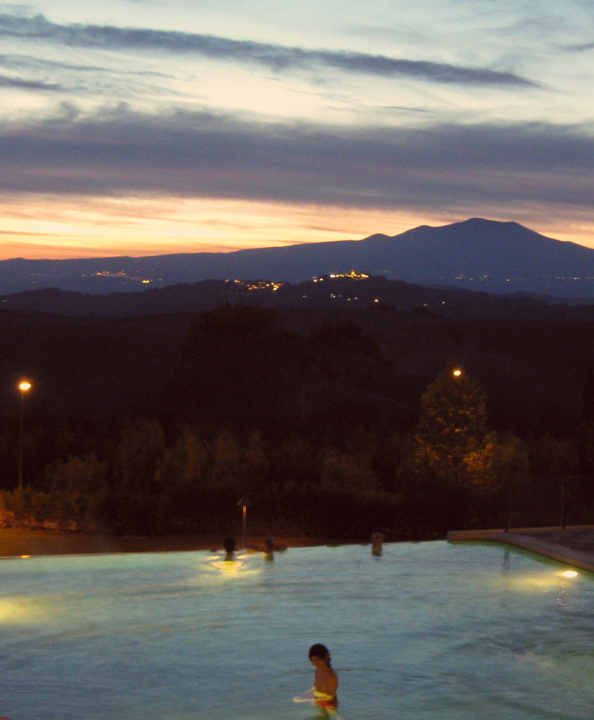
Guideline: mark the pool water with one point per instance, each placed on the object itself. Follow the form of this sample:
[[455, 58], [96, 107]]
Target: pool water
[[429, 630]]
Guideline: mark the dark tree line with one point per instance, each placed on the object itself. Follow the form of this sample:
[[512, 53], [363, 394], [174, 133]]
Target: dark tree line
[[307, 426]]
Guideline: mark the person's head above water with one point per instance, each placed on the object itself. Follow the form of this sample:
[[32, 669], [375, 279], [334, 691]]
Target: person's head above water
[[229, 544], [320, 651]]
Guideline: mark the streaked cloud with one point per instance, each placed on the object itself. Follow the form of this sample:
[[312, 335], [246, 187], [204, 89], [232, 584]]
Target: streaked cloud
[[275, 57], [10, 82], [207, 155]]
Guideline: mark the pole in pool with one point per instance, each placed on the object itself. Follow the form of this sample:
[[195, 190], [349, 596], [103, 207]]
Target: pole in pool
[[243, 503]]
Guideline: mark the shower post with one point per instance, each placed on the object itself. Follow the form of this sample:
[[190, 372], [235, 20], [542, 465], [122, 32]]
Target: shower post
[[243, 503]]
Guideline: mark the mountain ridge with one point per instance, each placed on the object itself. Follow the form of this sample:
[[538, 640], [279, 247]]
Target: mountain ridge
[[478, 254]]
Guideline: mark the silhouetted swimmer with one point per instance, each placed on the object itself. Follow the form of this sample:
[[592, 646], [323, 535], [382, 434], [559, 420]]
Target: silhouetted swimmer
[[272, 546], [377, 540], [229, 545], [269, 547]]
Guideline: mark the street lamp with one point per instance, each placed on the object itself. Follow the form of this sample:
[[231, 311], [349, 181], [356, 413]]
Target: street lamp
[[24, 387]]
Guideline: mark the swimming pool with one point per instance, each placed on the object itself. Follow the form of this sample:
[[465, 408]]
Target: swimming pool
[[430, 630]]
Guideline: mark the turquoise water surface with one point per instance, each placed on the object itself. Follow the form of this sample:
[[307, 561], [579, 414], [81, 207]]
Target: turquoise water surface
[[430, 630]]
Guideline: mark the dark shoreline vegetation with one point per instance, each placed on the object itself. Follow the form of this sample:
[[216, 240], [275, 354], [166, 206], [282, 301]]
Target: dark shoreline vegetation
[[25, 543], [334, 423]]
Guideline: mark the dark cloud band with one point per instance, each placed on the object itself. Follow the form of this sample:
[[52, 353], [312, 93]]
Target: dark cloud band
[[277, 57], [208, 156], [17, 83]]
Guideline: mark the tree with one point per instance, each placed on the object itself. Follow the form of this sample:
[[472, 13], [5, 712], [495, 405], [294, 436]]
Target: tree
[[554, 464], [75, 483], [184, 464], [588, 394], [240, 371], [511, 469], [226, 462], [138, 455], [453, 445], [77, 475], [343, 471], [255, 464]]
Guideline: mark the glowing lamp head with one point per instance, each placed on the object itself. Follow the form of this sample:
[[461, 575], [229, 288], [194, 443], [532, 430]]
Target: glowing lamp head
[[457, 372], [24, 386]]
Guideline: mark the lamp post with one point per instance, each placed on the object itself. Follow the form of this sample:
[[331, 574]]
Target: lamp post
[[243, 503], [24, 387]]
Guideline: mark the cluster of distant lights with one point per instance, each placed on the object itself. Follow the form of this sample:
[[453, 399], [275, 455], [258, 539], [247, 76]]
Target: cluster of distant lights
[[480, 278], [334, 296], [564, 277], [487, 276], [260, 285], [353, 275], [266, 285], [122, 274]]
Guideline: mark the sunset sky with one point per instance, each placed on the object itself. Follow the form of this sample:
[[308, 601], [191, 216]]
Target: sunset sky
[[145, 127]]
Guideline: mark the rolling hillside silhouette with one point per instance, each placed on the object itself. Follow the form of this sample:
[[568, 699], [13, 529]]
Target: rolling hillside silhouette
[[477, 254]]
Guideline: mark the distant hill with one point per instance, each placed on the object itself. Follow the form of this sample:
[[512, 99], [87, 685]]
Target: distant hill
[[477, 254], [349, 292]]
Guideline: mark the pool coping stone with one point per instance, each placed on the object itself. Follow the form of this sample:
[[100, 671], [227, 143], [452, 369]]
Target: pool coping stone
[[572, 545]]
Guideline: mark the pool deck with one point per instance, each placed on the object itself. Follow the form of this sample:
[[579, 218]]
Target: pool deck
[[573, 545]]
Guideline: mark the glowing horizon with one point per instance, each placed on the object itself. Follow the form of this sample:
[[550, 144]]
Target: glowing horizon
[[94, 232], [180, 130]]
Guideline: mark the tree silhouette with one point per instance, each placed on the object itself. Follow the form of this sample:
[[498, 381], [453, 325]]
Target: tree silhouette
[[453, 445], [588, 394], [240, 370]]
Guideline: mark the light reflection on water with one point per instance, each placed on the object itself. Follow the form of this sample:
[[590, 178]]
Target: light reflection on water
[[429, 630]]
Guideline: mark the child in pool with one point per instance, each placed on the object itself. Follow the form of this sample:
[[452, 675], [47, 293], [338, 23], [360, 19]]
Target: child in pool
[[326, 679]]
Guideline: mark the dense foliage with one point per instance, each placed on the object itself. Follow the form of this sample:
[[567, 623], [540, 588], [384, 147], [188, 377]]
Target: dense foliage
[[310, 427]]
